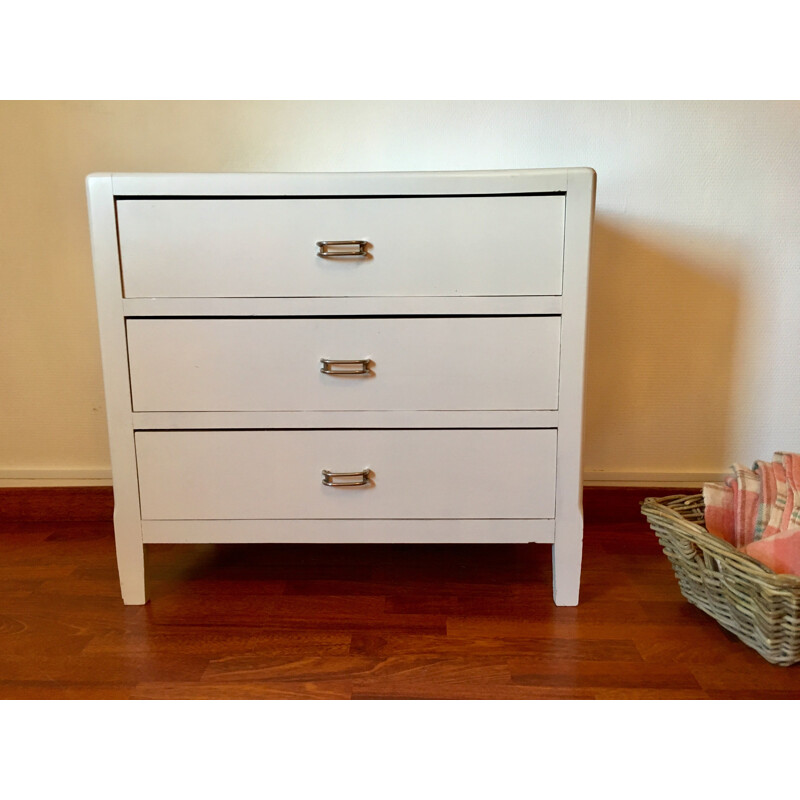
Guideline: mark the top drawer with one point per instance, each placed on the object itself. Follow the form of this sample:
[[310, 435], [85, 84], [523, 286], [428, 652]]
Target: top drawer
[[417, 246]]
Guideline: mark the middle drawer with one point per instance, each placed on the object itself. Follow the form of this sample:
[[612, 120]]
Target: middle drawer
[[401, 363]]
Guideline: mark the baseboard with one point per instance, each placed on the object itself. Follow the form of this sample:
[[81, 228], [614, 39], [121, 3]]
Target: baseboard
[[601, 504], [650, 479], [609, 505], [57, 504], [33, 478]]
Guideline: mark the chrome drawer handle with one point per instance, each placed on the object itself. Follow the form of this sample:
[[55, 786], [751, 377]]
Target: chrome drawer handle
[[352, 248], [339, 366], [345, 478]]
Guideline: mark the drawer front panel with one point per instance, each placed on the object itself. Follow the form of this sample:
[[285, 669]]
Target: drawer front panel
[[417, 246], [413, 474], [459, 363]]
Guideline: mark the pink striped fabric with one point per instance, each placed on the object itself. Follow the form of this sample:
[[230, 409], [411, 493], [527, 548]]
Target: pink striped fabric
[[772, 499], [748, 487], [791, 465], [781, 552], [719, 503]]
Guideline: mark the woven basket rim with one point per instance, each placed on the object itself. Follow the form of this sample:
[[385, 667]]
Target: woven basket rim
[[723, 549]]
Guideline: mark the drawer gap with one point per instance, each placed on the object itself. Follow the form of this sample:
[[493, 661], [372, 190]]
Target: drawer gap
[[328, 428], [326, 196], [338, 316]]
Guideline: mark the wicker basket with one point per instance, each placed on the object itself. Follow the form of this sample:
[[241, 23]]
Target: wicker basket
[[747, 598]]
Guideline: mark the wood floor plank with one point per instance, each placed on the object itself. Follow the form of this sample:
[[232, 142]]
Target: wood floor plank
[[423, 676], [650, 694], [33, 573], [52, 690], [752, 693], [784, 680], [473, 690], [595, 675], [545, 648], [262, 690], [266, 666], [707, 645], [296, 612], [219, 642], [66, 670]]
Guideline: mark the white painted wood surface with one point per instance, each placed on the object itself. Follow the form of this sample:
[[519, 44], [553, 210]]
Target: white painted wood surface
[[414, 474], [325, 184], [424, 246], [490, 418], [433, 363], [474, 257], [350, 531], [568, 546], [127, 524]]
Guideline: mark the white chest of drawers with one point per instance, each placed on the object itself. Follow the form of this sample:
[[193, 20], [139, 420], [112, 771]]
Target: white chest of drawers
[[376, 357]]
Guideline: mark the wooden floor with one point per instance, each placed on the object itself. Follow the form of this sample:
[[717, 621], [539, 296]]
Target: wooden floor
[[347, 621]]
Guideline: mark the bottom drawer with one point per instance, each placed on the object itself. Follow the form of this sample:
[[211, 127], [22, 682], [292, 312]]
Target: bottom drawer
[[408, 474]]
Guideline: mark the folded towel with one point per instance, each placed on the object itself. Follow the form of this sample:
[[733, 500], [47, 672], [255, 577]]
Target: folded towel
[[791, 465], [781, 552], [719, 505], [747, 488], [772, 498], [781, 499], [788, 509]]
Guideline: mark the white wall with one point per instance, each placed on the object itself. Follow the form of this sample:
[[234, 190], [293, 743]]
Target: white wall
[[693, 330]]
